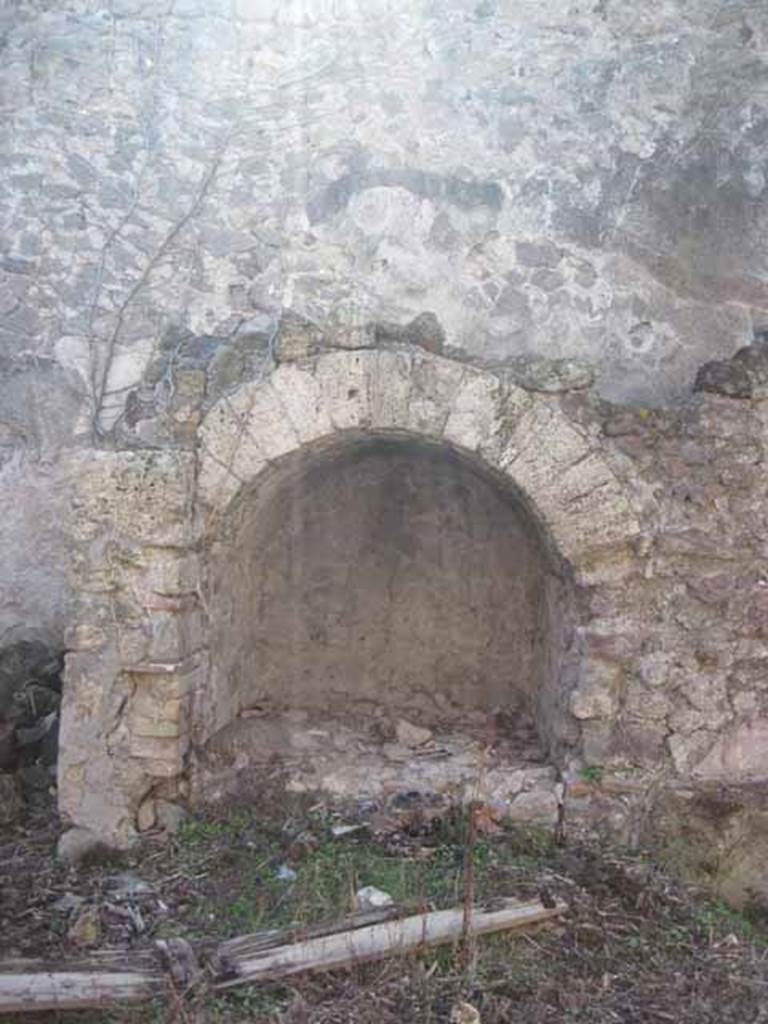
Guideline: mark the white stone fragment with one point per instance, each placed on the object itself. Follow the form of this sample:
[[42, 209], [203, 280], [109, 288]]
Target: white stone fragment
[[371, 898]]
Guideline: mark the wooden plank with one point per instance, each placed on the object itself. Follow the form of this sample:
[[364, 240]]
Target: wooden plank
[[389, 938], [256, 957], [75, 990]]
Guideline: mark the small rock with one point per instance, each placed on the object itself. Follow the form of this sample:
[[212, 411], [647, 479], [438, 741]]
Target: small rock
[[85, 930], [286, 874], [77, 844], [146, 815], [724, 377], [411, 735], [744, 375], [371, 898], [339, 831], [11, 802], [170, 817], [464, 1013], [551, 375]]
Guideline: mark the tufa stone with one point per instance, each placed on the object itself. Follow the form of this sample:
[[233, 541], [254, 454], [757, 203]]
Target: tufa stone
[[146, 815], [551, 376], [410, 735], [77, 845]]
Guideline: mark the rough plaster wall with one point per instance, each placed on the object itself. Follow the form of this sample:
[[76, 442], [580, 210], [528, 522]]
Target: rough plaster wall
[[391, 574], [561, 178]]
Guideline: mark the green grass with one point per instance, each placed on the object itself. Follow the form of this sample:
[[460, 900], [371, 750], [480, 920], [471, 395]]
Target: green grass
[[328, 871]]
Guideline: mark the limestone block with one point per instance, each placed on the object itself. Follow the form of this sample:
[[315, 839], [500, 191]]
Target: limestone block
[[572, 487], [596, 741], [150, 727], [133, 644], [166, 753], [597, 693], [690, 749], [345, 379], [264, 419], [86, 637], [146, 815], [536, 806], [152, 704], [645, 704], [300, 394], [167, 680], [435, 383], [654, 668], [174, 635], [390, 390], [167, 572], [217, 484], [76, 844], [134, 496], [224, 441], [484, 412], [740, 752]]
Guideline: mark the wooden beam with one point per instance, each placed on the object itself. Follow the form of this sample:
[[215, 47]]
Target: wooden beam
[[75, 990], [389, 938], [97, 982]]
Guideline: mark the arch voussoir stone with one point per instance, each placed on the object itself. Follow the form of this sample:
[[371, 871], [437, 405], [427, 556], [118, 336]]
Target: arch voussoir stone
[[524, 436]]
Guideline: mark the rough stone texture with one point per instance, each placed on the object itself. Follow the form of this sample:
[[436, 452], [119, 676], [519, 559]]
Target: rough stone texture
[[655, 520], [77, 844], [366, 757], [240, 233], [388, 572], [568, 182]]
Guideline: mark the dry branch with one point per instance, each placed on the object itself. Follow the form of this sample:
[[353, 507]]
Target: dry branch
[[260, 957]]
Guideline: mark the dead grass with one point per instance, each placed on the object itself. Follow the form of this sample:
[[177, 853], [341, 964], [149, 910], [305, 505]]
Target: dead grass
[[635, 947]]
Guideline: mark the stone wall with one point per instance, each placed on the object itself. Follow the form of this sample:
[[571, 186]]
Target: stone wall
[[239, 232], [657, 517], [553, 180]]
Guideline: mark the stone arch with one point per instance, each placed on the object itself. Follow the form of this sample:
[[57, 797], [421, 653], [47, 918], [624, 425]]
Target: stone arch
[[138, 665], [568, 489], [567, 482]]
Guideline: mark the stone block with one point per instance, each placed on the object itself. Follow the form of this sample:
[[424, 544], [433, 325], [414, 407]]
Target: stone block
[[174, 635], [598, 691], [535, 807], [435, 385], [345, 380], [301, 396], [134, 496], [390, 390]]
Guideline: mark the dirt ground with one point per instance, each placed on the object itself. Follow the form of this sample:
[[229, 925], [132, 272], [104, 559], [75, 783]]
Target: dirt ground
[[635, 946]]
